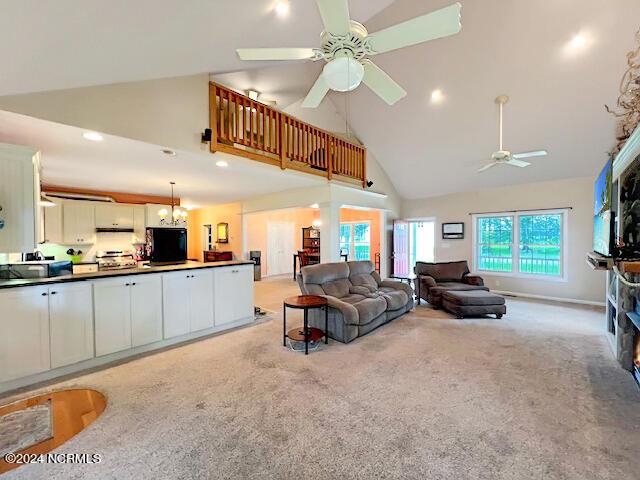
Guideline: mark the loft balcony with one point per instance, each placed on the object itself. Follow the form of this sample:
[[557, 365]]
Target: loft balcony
[[248, 128]]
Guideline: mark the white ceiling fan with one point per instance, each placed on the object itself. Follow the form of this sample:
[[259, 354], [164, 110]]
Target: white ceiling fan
[[505, 157], [345, 44]]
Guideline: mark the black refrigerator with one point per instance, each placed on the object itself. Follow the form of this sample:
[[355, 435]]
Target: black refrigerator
[[167, 245]]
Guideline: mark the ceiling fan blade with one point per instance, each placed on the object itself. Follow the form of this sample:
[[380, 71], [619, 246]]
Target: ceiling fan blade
[[438, 24], [382, 84], [537, 153], [335, 16], [487, 166], [275, 53], [316, 94], [517, 163]]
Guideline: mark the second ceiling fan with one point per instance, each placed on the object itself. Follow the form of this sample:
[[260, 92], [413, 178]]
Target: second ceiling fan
[[345, 43], [505, 157]]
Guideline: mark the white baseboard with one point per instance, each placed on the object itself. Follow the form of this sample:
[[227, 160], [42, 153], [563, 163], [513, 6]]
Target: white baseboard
[[552, 299]]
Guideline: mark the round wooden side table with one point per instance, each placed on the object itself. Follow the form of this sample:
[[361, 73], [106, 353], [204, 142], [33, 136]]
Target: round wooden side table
[[306, 303]]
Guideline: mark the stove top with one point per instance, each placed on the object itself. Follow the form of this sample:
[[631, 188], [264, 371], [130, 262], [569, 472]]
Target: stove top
[[115, 259]]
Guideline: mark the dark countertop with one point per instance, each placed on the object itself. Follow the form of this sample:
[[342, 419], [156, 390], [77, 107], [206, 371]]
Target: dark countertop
[[117, 273]]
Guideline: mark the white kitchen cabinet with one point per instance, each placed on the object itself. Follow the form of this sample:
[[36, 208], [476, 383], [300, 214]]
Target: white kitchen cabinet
[[139, 227], [187, 301], [19, 198], [24, 332], [146, 309], [79, 224], [112, 313], [53, 223], [152, 216], [233, 288], [175, 303], [200, 300], [70, 323], [114, 215]]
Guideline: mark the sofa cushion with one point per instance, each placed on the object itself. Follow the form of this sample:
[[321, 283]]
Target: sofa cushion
[[337, 288], [443, 272], [395, 298], [369, 309], [360, 274], [325, 272], [472, 298], [352, 298]]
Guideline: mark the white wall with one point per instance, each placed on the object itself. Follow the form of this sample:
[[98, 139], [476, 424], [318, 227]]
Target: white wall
[[171, 112], [582, 283]]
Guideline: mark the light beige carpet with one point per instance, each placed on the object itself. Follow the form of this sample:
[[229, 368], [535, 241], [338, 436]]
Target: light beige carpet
[[536, 395]]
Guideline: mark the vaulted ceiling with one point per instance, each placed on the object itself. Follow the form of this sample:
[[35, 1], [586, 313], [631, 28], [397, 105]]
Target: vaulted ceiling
[[526, 49]]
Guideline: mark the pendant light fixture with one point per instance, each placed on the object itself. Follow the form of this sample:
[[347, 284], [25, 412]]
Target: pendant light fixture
[[178, 217]]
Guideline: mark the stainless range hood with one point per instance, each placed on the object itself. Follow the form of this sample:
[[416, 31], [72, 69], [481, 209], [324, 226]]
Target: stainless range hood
[[113, 230]]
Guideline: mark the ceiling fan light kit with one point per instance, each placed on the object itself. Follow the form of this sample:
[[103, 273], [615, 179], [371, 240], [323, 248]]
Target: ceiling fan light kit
[[345, 44], [503, 156]]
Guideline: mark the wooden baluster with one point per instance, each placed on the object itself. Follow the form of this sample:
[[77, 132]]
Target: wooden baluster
[[327, 157], [213, 116], [267, 129], [364, 168]]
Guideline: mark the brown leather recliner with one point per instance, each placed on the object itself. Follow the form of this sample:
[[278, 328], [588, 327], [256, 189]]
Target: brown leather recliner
[[437, 278]]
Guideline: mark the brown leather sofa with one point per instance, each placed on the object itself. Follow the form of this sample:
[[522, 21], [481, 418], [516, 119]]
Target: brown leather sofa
[[437, 278]]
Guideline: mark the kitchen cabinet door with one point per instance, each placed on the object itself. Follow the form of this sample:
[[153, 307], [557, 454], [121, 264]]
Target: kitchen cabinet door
[[53, 223], [224, 282], [19, 197], [139, 228], [78, 222], [243, 286], [71, 323], [200, 299], [24, 332], [112, 313], [233, 294], [175, 303], [152, 217], [114, 215], [146, 309]]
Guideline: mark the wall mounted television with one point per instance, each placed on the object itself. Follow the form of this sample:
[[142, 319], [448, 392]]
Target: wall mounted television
[[603, 218]]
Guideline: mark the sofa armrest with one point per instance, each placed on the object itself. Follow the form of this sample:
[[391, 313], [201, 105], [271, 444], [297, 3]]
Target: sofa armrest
[[398, 286], [348, 311], [473, 280], [427, 281]]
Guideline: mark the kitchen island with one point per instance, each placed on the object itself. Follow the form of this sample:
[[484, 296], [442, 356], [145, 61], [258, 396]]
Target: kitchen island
[[51, 327]]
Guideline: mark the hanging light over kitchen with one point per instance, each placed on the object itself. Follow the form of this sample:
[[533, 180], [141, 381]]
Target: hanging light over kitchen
[[178, 217]]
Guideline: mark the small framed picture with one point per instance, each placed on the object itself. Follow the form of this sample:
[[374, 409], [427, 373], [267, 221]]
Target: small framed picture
[[453, 231]]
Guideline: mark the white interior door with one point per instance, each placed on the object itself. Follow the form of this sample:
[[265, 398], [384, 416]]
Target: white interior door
[[280, 247]]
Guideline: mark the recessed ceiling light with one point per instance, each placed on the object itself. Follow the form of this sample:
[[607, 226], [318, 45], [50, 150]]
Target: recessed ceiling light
[[437, 96], [578, 43], [222, 163], [282, 8], [315, 205], [93, 136], [168, 151]]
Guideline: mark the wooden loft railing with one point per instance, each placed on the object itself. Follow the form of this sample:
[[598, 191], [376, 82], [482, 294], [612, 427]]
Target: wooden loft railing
[[245, 127]]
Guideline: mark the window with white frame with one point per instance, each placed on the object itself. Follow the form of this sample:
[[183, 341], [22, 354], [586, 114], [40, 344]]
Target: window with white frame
[[355, 240], [208, 237], [522, 243]]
